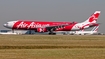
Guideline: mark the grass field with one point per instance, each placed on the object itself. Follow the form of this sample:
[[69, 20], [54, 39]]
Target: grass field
[[52, 47]]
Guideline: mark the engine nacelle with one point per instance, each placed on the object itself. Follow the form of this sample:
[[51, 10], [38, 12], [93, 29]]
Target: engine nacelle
[[41, 30]]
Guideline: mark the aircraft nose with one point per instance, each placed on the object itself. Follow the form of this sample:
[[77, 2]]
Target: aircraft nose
[[5, 25], [9, 24]]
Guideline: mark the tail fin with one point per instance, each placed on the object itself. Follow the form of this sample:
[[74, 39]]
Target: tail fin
[[93, 18], [95, 28]]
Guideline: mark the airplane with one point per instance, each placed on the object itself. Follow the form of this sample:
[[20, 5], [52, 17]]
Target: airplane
[[93, 31], [8, 33], [52, 27]]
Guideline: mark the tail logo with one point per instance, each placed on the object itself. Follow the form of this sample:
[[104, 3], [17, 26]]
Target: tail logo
[[94, 17]]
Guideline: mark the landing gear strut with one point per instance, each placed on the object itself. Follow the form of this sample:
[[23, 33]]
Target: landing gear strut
[[51, 32]]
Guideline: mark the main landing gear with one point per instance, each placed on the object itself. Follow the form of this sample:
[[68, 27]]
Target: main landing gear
[[52, 33]]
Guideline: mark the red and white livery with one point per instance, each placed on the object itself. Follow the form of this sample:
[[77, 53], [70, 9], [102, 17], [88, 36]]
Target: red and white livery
[[46, 26]]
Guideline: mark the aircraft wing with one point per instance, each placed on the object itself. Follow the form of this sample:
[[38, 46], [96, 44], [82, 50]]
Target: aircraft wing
[[55, 27]]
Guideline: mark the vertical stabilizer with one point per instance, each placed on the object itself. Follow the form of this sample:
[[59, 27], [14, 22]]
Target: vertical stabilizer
[[93, 18], [95, 28]]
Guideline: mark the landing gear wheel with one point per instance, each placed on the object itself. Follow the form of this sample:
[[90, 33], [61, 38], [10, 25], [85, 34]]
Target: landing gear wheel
[[52, 33]]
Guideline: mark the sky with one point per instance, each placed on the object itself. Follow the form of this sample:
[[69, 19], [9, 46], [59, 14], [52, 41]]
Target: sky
[[51, 10]]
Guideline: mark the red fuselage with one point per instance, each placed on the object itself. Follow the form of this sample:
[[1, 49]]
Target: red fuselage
[[34, 25]]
